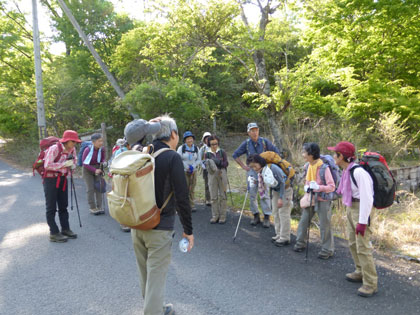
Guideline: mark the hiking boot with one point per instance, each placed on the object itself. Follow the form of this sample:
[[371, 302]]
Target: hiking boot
[[208, 203], [69, 233], [58, 238], [95, 211], [298, 248], [222, 221], [324, 255], [193, 209], [168, 309], [281, 243], [214, 220], [266, 222], [125, 228], [354, 277], [366, 291], [256, 219]]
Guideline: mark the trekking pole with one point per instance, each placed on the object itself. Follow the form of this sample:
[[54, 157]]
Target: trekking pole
[[240, 217], [75, 197], [309, 226]]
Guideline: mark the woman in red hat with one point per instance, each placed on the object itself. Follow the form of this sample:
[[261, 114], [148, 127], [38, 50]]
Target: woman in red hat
[[60, 160]]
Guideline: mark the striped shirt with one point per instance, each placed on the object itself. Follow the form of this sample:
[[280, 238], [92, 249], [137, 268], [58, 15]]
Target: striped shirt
[[51, 154]]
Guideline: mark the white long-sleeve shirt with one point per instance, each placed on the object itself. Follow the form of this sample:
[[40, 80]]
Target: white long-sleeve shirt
[[364, 192], [189, 158]]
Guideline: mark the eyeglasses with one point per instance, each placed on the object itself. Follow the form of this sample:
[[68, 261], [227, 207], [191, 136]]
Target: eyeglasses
[[214, 144]]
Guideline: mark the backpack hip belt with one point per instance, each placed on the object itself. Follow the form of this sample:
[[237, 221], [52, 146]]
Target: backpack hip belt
[[52, 174]]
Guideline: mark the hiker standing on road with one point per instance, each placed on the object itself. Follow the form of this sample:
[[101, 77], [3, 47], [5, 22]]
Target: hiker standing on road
[[314, 184], [255, 145], [216, 164], [271, 184], [55, 184], [204, 148], [153, 247], [93, 156], [191, 160], [358, 200]]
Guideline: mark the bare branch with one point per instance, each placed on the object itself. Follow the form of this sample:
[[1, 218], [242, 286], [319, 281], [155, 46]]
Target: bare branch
[[245, 19]]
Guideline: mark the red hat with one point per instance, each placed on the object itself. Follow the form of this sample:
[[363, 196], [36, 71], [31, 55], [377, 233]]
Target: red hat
[[345, 148], [70, 135]]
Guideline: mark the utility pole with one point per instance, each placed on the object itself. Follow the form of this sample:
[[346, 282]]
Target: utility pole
[[95, 55], [42, 128]]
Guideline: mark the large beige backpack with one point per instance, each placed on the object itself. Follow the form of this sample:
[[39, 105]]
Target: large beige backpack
[[132, 199]]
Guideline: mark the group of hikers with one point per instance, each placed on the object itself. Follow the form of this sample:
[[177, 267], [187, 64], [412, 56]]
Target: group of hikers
[[175, 177]]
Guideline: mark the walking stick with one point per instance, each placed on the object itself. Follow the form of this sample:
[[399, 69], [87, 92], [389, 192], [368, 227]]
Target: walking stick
[[75, 197], [309, 226], [240, 217]]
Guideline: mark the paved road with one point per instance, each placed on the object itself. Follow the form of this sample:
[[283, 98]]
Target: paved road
[[97, 274]]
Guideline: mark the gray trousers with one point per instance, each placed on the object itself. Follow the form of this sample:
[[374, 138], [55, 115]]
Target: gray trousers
[[153, 255], [253, 195], [94, 197], [282, 215], [324, 210]]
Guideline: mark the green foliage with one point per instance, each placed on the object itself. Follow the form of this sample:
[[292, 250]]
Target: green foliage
[[181, 98]]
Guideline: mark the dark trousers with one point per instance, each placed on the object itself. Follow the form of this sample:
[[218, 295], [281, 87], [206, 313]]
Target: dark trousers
[[56, 197]]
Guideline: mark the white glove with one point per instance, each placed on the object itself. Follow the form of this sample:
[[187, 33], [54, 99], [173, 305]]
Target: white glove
[[306, 188], [251, 181], [313, 185], [68, 163], [73, 166]]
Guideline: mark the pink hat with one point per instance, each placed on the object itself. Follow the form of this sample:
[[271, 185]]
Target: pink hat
[[345, 148], [70, 135]]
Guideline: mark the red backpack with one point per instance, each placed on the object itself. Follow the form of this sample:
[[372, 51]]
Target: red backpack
[[44, 144]]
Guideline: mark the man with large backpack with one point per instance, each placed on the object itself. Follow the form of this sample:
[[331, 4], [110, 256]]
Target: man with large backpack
[[153, 247], [358, 198], [60, 159], [255, 145]]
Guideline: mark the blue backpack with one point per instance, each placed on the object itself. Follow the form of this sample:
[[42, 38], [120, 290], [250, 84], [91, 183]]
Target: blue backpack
[[83, 146]]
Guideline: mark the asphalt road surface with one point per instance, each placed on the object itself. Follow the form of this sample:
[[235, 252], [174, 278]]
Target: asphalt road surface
[[97, 273]]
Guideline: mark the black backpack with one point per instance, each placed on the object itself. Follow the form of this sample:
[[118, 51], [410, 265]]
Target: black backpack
[[384, 185], [184, 148]]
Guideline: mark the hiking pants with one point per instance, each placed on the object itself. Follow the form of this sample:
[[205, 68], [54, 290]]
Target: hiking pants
[[56, 197], [206, 184], [92, 194], [218, 188], [282, 215], [324, 210], [153, 254], [191, 181], [361, 247], [253, 192]]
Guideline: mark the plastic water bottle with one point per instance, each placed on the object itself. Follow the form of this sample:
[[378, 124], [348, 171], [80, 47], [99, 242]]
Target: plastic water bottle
[[183, 245]]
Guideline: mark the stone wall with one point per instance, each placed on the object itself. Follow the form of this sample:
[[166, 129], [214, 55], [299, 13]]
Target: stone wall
[[407, 178]]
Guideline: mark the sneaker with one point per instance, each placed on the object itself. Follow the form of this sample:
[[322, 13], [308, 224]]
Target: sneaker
[[275, 238], [281, 243], [95, 211], [366, 291], [266, 222], [168, 309], [208, 203], [214, 220], [125, 228], [69, 234], [354, 277], [58, 238], [324, 255], [298, 248], [256, 219]]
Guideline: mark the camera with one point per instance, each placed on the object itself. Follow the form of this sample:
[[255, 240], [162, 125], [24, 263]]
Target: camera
[[70, 157]]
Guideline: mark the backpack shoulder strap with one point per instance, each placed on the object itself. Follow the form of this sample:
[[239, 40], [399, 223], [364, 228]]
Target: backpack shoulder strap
[[352, 174], [167, 199], [158, 152], [264, 144], [183, 148], [322, 170], [60, 151]]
